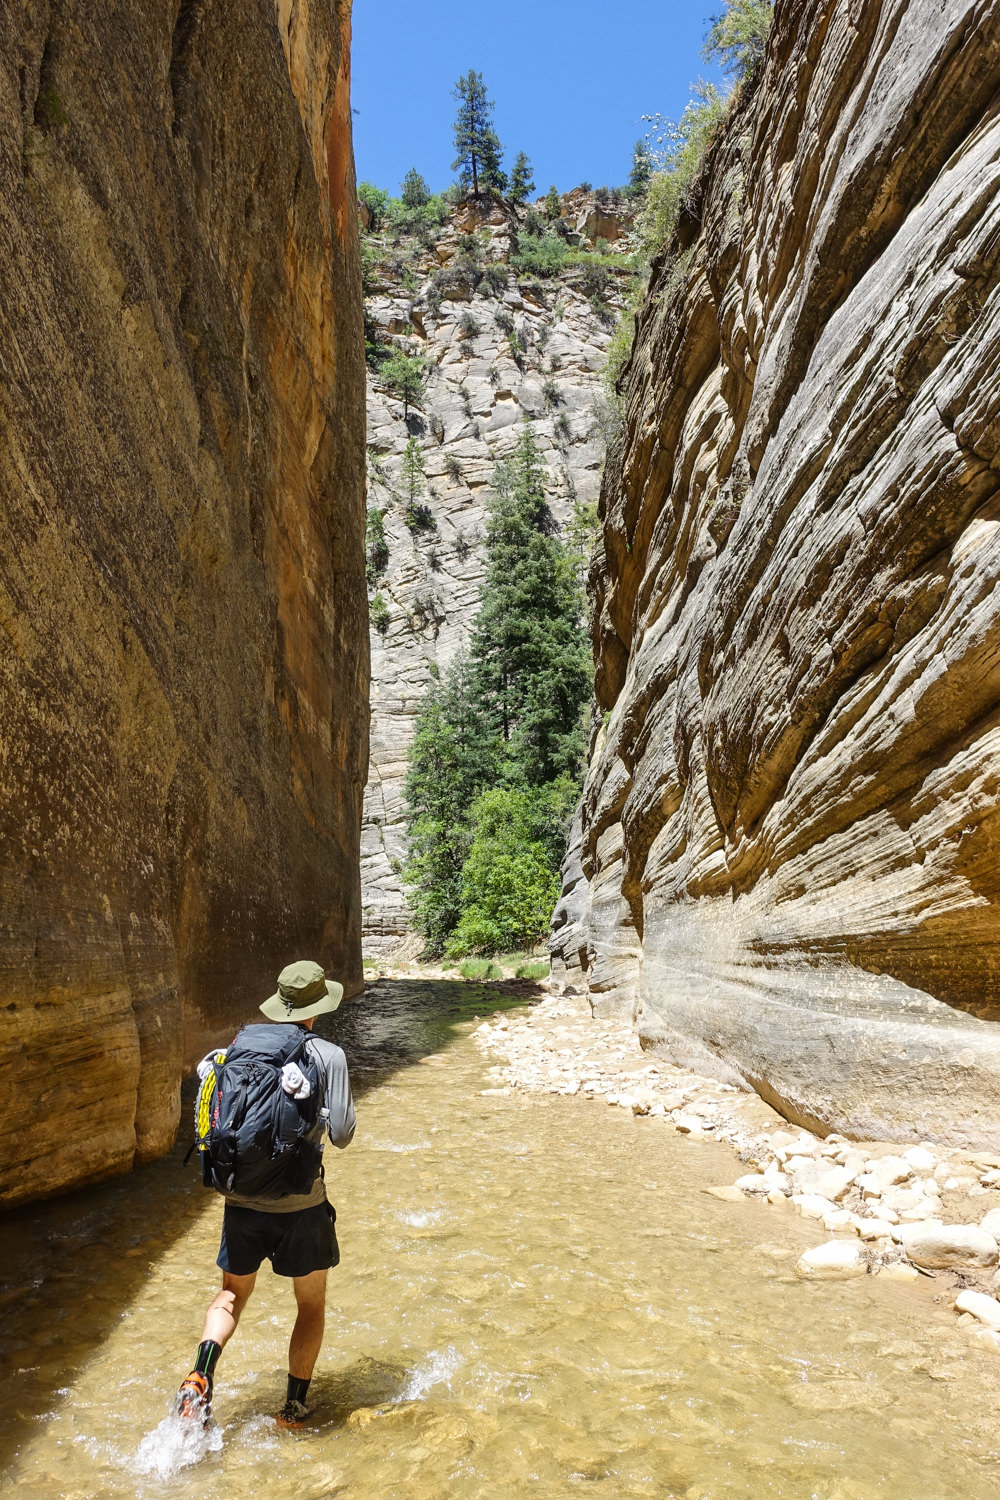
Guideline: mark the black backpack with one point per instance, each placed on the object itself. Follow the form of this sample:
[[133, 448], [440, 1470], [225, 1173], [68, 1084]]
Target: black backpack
[[252, 1135]]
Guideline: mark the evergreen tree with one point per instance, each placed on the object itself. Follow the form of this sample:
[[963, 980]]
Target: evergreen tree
[[477, 145], [522, 181], [412, 474], [414, 190], [452, 759], [642, 170], [404, 375], [528, 643], [553, 203]]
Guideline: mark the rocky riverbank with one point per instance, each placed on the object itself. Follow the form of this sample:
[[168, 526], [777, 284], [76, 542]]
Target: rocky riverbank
[[898, 1212]]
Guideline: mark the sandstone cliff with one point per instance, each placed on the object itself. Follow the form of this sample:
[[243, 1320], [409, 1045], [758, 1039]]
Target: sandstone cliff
[[183, 654], [499, 353], [786, 864]]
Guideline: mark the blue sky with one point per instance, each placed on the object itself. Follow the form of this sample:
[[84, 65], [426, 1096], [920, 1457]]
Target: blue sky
[[570, 79]]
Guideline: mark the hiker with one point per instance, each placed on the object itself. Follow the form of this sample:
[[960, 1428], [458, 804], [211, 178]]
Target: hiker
[[291, 1079]]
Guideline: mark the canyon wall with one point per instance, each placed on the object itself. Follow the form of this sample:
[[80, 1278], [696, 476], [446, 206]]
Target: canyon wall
[[786, 862], [183, 625], [523, 349]]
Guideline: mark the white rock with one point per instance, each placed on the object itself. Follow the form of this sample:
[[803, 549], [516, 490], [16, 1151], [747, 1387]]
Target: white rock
[[812, 1206], [936, 1246], [869, 1184], [810, 1176], [689, 1124], [985, 1338], [927, 1208], [901, 1198], [890, 1170], [898, 1270], [986, 1309], [991, 1223], [838, 1218], [753, 1182], [920, 1158], [730, 1193], [875, 1229], [835, 1260], [990, 1178]]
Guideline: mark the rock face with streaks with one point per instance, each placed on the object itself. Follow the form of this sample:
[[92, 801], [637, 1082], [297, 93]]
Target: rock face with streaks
[[183, 637], [503, 352], [786, 865]]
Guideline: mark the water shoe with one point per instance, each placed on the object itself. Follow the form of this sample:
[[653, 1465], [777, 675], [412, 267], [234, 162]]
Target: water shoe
[[194, 1399], [293, 1414]]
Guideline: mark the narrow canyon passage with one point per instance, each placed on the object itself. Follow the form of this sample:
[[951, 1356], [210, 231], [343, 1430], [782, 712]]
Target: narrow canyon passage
[[535, 1297]]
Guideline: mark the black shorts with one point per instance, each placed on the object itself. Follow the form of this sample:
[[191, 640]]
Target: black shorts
[[296, 1244]]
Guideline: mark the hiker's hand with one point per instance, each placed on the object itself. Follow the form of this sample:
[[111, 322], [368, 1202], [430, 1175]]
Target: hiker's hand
[[295, 1082]]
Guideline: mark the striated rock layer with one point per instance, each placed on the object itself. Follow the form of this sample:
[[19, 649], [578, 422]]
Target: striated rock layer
[[786, 864], [183, 637]]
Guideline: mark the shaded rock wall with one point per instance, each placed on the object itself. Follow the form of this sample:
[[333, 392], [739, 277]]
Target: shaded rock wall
[[183, 632], [477, 396], [786, 864]]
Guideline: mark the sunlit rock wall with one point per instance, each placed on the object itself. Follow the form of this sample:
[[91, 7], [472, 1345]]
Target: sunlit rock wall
[[788, 862], [183, 635]]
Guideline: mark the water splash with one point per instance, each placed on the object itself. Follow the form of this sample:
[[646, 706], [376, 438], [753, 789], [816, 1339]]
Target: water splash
[[436, 1369], [421, 1220], [177, 1443]]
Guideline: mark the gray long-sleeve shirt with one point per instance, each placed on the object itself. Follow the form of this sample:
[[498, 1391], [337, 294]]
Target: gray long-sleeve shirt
[[336, 1120]]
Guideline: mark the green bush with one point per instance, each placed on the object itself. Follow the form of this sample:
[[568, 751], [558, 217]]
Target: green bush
[[376, 546], [493, 281], [376, 200], [405, 376], [509, 888], [682, 151], [739, 36], [544, 255], [379, 613]]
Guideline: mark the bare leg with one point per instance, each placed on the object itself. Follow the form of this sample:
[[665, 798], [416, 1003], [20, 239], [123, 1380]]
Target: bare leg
[[224, 1312], [307, 1335]]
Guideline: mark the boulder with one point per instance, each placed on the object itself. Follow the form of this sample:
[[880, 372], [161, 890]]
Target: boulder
[[835, 1261], [986, 1309], [937, 1246]]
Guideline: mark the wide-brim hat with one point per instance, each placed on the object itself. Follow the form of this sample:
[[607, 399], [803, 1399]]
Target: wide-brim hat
[[303, 992]]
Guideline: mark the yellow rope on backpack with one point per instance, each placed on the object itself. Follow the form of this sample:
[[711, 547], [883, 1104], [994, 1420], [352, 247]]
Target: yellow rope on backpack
[[203, 1103]]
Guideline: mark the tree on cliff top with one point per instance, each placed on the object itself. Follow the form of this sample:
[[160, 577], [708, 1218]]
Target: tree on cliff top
[[522, 181], [413, 190], [477, 145]]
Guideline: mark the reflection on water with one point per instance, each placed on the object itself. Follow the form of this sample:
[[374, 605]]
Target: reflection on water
[[535, 1297]]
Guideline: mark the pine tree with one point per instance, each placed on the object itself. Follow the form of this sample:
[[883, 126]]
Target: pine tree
[[404, 375], [412, 474], [553, 203], [452, 759], [528, 643], [642, 170], [522, 181], [414, 190], [477, 145]]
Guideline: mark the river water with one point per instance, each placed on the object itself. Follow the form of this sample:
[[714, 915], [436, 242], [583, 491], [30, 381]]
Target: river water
[[535, 1298]]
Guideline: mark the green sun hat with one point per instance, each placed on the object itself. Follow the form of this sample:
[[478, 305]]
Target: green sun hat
[[303, 992]]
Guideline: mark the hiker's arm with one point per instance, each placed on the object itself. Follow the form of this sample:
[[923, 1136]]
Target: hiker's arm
[[339, 1104]]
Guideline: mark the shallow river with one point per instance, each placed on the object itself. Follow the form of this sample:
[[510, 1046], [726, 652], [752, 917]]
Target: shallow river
[[535, 1298]]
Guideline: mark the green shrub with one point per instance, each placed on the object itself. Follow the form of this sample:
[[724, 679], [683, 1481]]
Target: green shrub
[[544, 255], [550, 393], [504, 322], [509, 888], [379, 613], [467, 325], [739, 36], [376, 200], [453, 466], [376, 546], [494, 280], [682, 151]]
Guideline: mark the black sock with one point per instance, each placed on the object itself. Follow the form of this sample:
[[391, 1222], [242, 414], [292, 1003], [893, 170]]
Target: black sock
[[297, 1389], [207, 1358]]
